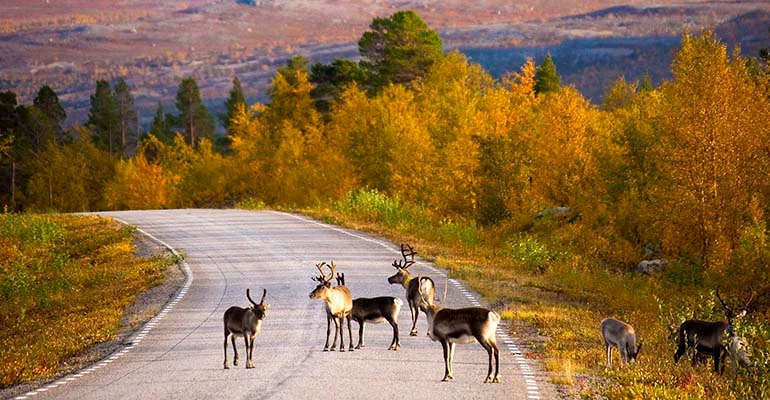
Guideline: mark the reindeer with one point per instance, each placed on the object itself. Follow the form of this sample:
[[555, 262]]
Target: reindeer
[[246, 322], [619, 334], [419, 292], [376, 310], [465, 325], [706, 336], [339, 304]]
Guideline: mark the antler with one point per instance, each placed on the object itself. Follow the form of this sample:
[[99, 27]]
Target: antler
[[727, 310], [407, 252], [323, 278]]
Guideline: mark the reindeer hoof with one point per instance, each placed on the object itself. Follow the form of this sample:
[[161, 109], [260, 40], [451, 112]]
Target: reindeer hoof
[[342, 349], [492, 380], [447, 378], [226, 367], [249, 366], [413, 333], [351, 348], [235, 363]]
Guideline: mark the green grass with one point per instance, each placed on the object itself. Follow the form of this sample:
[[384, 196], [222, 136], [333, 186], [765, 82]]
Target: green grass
[[67, 279]]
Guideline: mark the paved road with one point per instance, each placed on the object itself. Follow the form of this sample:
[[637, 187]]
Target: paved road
[[179, 354]]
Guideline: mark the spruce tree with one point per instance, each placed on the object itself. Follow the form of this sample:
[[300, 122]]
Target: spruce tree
[[103, 119], [547, 80], [236, 97], [128, 119], [194, 119]]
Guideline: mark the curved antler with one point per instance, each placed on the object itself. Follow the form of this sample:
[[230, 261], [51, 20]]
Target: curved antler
[[322, 278], [407, 252]]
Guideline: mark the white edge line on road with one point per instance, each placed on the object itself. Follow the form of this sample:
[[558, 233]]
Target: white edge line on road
[[147, 328], [524, 367]]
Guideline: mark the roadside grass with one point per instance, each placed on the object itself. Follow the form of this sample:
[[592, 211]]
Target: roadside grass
[[65, 281], [555, 281]]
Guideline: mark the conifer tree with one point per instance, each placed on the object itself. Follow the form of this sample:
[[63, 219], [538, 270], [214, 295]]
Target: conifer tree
[[399, 49], [127, 117], [194, 119], [48, 117], [103, 119], [162, 125], [231, 104], [547, 80]]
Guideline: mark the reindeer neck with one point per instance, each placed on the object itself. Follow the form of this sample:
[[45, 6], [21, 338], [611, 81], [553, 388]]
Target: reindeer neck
[[407, 280]]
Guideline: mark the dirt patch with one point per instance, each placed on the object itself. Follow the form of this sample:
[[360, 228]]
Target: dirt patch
[[144, 308]]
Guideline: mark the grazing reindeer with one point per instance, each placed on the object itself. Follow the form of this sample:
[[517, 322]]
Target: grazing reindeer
[[619, 334], [377, 310], [706, 336], [465, 325], [339, 304], [419, 292], [246, 322]]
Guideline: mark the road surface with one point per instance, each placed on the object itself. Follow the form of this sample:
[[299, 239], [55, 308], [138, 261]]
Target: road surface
[[179, 354]]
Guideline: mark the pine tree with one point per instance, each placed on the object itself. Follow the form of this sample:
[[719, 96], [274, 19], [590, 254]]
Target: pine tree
[[127, 117], [236, 98], [399, 49], [50, 115], [194, 119], [103, 119], [547, 80], [161, 125]]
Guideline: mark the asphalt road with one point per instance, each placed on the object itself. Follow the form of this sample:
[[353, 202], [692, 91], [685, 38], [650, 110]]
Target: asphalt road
[[179, 353]]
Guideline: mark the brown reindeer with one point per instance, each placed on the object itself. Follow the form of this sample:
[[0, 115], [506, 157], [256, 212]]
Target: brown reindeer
[[419, 292], [339, 304], [246, 322]]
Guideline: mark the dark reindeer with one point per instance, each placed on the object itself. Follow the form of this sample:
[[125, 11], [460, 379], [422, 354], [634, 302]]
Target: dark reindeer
[[339, 304], [246, 322], [375, 310], [706, 336], [419, 292]]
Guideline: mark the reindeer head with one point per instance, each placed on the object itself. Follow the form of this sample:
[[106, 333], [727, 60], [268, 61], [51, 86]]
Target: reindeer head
[[260, 310], [730, 312], [324, 281], [633, 354], [402, 267]]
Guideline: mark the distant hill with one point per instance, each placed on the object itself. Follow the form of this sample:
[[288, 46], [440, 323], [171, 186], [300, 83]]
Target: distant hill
[[153, 44]]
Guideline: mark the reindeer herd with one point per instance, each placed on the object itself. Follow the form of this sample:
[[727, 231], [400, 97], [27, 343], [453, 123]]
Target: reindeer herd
[[450, 326], [702, 339]]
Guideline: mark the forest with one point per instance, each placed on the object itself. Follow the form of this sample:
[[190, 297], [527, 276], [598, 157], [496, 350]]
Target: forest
[[677, 172]]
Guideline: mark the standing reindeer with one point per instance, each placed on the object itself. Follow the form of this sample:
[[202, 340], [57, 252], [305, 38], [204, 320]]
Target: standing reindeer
[[246, 322], [339, 304], [465, 325], [619, 334], [419, 292], [376, 310], [706, 336]]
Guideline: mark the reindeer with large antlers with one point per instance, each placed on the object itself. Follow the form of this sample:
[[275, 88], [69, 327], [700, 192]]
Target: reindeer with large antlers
[[419, 292], [339, 305], [706, 336]]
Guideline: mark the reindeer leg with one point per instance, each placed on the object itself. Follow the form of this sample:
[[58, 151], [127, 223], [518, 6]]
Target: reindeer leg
[[337, 329], [328, 332], [490, 353], [361, 334], [350, 333], [452, 347], [394, 344], [415, 314], [235, 351], [608, 351], [447, 373], [226, 335], [250, 361], [497, 362]]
